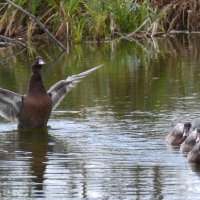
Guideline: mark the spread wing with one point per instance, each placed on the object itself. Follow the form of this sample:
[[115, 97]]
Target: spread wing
[[61, 88], [10, 104]]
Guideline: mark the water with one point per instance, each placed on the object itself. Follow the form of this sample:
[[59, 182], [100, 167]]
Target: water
[[107, 138]]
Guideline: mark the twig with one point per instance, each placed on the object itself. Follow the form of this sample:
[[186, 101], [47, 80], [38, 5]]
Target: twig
[[154, 29], [12, 40], [3, 7], [134, 32], [37, 21]]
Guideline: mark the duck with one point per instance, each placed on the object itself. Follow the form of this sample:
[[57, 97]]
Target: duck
[[190, 141], [194, 155], [179, 133], [33, 109]]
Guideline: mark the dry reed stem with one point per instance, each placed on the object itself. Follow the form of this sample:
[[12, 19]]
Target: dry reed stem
[[181, 15]]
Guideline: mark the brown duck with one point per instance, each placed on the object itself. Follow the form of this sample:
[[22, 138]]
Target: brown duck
[[34, 109]]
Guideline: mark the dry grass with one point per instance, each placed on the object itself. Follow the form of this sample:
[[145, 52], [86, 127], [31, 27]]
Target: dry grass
[[178, 14]]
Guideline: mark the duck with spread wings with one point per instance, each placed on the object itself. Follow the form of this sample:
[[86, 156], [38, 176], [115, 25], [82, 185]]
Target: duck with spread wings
[[33, 110]]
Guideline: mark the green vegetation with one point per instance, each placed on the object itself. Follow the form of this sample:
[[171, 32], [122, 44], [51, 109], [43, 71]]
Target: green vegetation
[[75, 19], [80, 20]]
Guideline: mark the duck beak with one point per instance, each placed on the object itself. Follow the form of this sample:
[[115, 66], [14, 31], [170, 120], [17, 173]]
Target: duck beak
[[41, 62]]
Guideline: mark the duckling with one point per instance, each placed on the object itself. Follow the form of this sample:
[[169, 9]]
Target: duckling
[[194, 155], [190, 141], [179, 133]]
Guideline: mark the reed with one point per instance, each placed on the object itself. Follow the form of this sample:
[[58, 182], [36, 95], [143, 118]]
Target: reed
[[178, 15], [79, 20]]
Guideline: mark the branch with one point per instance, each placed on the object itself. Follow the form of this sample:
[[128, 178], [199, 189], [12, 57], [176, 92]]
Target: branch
[[37, 21], [134, 32], [12, 40]]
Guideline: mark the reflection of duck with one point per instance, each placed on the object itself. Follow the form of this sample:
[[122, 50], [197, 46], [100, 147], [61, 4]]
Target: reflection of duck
[[34, 109], [190, 141], [179, 133], [37, 142]]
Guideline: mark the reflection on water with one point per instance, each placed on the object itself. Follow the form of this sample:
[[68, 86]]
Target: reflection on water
[[107, 139], [37, 142], [23, 161]]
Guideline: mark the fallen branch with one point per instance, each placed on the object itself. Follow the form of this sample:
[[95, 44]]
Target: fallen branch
[[11, 40], [37, 21], [130, 35]]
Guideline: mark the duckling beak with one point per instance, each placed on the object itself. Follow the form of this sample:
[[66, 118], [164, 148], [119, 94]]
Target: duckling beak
[[186, 132]]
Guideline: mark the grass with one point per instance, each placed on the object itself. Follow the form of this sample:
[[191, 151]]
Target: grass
[[74, 19], [79, 20]]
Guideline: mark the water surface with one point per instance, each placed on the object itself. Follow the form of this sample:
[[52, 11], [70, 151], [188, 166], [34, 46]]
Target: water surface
[[107, 138]]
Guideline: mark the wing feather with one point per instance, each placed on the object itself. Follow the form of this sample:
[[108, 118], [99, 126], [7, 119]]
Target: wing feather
[[61, 88], [10, 103]]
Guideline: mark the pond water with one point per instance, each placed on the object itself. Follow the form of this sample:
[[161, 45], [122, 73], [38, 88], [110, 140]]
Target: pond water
[[107, 138]]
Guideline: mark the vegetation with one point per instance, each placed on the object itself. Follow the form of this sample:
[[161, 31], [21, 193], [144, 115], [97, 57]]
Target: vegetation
[[75, 19], [180, 15], [80, 20]]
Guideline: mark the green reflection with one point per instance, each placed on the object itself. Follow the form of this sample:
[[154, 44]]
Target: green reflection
[[140, 75]]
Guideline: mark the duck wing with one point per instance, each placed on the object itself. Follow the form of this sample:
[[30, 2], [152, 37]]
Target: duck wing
[[10, 103], [61, 88]]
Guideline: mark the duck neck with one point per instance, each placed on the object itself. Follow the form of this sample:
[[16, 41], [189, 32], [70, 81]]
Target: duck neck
[[36, 84]]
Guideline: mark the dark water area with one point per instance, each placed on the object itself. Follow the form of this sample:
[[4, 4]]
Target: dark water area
[[107, 138]]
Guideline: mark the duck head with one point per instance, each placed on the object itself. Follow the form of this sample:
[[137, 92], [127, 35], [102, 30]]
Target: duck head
[[37, 65], [186, 128]]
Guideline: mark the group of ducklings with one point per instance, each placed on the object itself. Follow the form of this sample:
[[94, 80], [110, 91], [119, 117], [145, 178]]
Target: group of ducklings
[[188, 138]]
